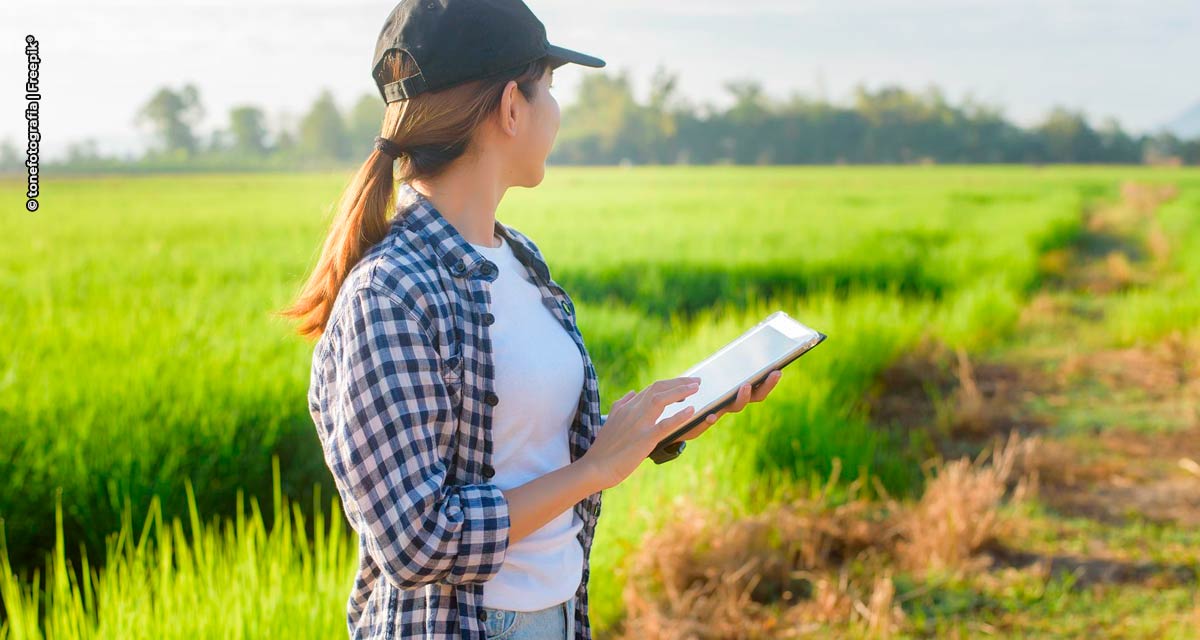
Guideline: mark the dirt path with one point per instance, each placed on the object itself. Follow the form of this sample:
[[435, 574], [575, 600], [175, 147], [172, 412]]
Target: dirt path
[[1119, 427], [1108, 439]]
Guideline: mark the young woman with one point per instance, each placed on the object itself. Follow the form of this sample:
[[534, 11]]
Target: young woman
[[455, 401]]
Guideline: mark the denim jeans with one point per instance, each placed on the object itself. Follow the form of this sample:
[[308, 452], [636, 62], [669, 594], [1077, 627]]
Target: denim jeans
[[552, 623]]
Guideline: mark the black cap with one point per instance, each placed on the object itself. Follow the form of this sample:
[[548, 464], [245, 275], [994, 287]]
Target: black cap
[[454, 41]]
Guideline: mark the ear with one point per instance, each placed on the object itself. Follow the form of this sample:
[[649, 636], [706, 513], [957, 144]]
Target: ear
[[509, 104]]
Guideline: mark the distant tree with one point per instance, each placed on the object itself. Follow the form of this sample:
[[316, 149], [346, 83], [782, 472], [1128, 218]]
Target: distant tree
[[1115, 144], [283, 134], [10, 156], [218, 141], [749, 102], [171, 116], [1067, 137], [322, 130], [1165, 147], [364, 123], [285, 142], [83, 151], [1189, 152], [987, 136], [248, 129], [662, 112], [746, 135], [605, 124]]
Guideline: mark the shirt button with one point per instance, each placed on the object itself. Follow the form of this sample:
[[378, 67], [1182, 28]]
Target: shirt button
[[486, 269], [488, 318], [491, 398], [482, 615], [488, 471]]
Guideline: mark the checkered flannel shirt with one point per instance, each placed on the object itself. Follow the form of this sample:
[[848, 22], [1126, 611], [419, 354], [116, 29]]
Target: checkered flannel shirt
[[401, 394]]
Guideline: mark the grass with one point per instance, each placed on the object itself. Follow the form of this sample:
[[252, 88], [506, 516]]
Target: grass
[[227, 578], [145, 361]]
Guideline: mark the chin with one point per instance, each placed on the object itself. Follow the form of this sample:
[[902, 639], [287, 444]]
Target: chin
[[533, 177]]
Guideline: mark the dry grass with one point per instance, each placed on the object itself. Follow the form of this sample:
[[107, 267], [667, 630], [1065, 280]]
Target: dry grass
[[1110, 254], [1121, 472], [1119, 270], [971, 411], [1163, 368], [1196, 614], [1159, 245], [1166, 373], [963, 405], [804, 565], [1144, 199], [1138, 203], [957, 514], [812, 566], [1055, 263]]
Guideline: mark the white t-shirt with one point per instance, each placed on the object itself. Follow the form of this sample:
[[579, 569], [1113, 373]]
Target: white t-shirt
[[539, 376]]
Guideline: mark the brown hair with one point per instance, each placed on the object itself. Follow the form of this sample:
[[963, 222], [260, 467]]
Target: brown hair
[[433, 129]]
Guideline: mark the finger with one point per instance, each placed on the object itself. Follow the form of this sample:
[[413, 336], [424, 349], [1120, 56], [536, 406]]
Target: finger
[[732, 407], [676, 420], [739, 401], [673, 394], [623, 400], [743, 397], [694, 433], [765, 388], [670, 383]]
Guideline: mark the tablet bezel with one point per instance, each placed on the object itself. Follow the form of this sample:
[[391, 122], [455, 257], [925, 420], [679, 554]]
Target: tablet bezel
[[669, 447]]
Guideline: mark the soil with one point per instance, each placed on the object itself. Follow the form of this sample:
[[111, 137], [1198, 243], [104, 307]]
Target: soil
[[1134, 455]]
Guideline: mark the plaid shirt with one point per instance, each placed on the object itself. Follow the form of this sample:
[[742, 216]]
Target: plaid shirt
[[401, 394]]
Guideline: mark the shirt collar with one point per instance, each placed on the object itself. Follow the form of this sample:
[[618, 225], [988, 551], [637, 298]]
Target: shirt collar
[[414, 211]]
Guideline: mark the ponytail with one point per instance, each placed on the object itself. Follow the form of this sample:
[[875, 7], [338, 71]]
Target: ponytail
[[430, 131]]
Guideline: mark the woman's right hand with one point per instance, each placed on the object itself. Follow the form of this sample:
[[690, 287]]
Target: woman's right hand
[[630, 433]]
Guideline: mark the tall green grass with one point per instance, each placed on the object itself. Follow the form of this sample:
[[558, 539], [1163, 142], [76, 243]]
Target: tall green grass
[[234, 577], [1173, 304], [143, 350], [144, 360]]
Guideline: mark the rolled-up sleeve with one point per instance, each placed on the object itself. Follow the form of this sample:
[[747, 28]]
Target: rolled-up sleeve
[[388, 448]]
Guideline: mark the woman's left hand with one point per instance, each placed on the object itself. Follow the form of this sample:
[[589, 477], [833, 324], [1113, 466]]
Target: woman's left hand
[[746, 394]]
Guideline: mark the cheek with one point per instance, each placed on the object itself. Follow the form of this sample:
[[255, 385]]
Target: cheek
[[553, 118]]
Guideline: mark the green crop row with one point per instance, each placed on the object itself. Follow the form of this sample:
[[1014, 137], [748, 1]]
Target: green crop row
[[143, 358]]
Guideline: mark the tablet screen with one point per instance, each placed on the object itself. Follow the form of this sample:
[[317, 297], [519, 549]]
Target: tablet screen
[[726, 369]]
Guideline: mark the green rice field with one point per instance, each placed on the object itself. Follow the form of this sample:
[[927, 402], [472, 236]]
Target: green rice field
[[154, 434]]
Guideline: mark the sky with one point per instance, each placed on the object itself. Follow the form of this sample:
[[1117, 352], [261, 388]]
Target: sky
[[1134, 60]]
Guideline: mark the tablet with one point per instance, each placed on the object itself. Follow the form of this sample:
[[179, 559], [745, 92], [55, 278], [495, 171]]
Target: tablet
[[773, 343]]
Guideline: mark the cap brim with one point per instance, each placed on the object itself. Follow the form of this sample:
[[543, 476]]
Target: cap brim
[[560, 56]]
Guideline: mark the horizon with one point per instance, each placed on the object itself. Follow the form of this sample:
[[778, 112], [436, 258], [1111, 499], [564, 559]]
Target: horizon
[[1111, 59]]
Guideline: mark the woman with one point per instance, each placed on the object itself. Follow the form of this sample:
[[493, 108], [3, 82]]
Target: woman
[[454, 398]]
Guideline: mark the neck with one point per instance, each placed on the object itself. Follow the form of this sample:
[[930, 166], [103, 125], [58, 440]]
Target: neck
[[467, 194]]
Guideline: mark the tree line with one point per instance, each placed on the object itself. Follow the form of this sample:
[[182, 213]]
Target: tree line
[[607, 124]]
